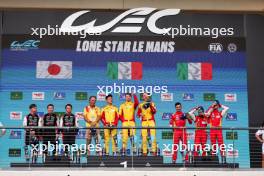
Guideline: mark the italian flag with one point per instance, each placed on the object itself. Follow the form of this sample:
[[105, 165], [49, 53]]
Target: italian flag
[[124, 70], [194, 71]]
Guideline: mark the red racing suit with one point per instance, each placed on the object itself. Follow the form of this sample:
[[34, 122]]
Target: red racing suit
[[178, 119], [200, 138], [215, 120], [200, 134]]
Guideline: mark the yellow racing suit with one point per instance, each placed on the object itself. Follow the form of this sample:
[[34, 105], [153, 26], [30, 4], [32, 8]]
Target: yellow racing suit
[[146, 111], [110, 119], [126, 115], [92, 115]]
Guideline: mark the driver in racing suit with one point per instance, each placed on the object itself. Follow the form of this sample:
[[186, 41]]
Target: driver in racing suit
[[32, 135], [110, 119], [126, 115], [70, 121], [49, 135], [215, 120], [92, 117], [178, 119], [146, 111], [200, 121]]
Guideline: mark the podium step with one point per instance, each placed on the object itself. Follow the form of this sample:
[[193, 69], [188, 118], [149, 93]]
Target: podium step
[[116, 161]]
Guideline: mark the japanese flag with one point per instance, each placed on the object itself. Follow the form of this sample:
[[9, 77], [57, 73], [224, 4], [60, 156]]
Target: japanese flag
[[54, 69]]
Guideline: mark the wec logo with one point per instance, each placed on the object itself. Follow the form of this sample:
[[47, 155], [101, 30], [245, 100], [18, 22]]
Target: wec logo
[[136, 16], [29, 44]]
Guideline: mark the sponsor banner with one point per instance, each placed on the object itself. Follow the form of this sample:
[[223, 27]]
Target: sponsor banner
[[59, 114], [81, 134], [24, 45], [166, 115], [59, 95], [232, 154], [231, 135], [81, 96], [16, 95], [40, 114], [15, 115], [231, 117], [38, 95], [14, 134], [209, 96], [122, 96], [14, 152], [190, 136], [167, 134], [166, 96], [167, 153], [79, 115], [188, 96], [230, 97], [100, 96]]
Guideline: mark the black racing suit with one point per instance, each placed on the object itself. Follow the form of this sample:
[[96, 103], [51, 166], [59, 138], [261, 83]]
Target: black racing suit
[[69, 135], [49, 135], [32, 120]]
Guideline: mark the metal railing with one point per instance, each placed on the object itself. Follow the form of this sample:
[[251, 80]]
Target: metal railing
[[118, 147]]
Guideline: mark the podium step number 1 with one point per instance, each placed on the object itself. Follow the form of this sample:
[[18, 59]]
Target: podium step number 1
[[124, 163]]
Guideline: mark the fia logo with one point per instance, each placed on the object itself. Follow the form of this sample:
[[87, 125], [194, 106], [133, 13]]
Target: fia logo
[[215, 47], [138, 16]]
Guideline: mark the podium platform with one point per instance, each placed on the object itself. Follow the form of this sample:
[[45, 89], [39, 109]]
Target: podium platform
[[129, 161]]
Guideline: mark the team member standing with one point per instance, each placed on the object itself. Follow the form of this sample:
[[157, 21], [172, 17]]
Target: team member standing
[[215, 120], [69, 135], [92, 117], [50, 120], [146, 111], [178, 119], [32, 135], [200, 121], [110, 119], [126, 115], [260, 137]]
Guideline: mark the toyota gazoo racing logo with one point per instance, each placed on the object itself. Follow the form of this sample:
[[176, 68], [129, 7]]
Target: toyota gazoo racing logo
[[24, 46], [136, 17]]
